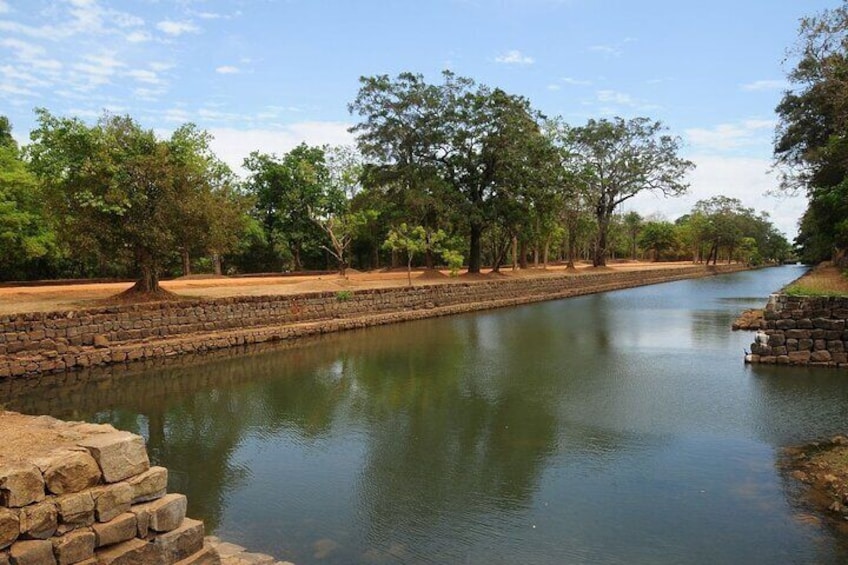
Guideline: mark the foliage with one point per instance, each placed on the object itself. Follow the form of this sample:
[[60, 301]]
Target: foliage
[[475, 145], [811, 148], [658, 237], [25, 239], [612, 161]]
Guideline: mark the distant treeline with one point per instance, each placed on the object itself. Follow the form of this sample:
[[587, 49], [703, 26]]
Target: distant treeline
[[453, 174]]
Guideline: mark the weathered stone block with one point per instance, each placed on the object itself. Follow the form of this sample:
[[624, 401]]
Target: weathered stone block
[[164, 514], [10, 527], [120, 529], [181, 542], [132, 552], [798, 334], [820, 356], [819, 345], [120, 455], [799, 357], [69, 471], [835, 346], [111, 501], [779, 351], [20, 485], [149, 485], [74, 547], [776, 339], [32, 552], [206, 556], [840, 357], [791, 345], [4, 558], [805, 345], [39, 521], [77, 508]]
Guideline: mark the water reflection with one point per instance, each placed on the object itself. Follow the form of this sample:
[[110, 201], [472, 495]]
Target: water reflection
[[620, 427]]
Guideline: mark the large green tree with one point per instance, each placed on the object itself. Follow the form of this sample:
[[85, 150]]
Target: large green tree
[[25, 235], [466, 141], [614, 160], [285, 190], [117, 191], [811, 148]]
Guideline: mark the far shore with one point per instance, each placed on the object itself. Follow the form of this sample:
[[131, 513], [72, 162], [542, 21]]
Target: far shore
[[52, 297]]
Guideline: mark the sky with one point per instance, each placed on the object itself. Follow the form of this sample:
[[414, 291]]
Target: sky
[[267, 75]]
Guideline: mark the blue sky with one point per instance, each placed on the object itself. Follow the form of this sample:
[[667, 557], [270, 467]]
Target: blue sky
[[266, 75]]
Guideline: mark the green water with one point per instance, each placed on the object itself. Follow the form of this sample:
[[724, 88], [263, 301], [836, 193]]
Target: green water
[[614, 428]]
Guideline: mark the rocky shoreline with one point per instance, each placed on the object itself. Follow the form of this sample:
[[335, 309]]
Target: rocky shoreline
[[821, 468]]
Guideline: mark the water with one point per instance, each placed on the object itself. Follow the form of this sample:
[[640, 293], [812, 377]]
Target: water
[[614, 428]]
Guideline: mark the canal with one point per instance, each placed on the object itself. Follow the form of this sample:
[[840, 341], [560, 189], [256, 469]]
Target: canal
[[613, 428]]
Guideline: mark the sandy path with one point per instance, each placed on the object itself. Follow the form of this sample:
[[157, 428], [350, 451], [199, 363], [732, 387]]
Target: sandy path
[[47, 298]]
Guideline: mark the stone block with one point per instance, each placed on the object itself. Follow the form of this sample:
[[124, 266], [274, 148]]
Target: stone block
[[32, 552], [120, 455], [111, 501], [120, 529], [181, 542], [4, 558], [150, 485], [776, 339], [10, 527], [819, 345], [820, 356], [164, 514], [132, 552], [39, 521], [835, 346], [791, 345], [20, 485], [805, 345], [798, 334], [76, 509], [69, 471], [74, 547], [841, 357], [206, 556]]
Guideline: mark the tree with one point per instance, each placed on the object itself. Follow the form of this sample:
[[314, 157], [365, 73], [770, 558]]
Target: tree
[[633, 225], [658, 237], [811, 148], [117, 191], [25, 235], [409, 241], [467, 139], [614, 160], [285, 190]]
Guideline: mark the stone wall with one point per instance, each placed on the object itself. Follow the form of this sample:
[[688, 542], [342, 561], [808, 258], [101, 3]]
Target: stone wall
[[798, 330], [49, 342], [84, 493]]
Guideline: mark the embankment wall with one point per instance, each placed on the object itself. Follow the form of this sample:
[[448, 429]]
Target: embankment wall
[[799, 330], [49, 342]]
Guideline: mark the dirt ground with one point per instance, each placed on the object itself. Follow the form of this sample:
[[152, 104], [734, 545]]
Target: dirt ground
[[47, 298]]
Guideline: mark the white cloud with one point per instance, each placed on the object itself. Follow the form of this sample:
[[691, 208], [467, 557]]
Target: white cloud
[[138, 37], [233, 145], [615, 97], [171, 27], [554, 87], [748, 179], [4, 7], [227, 70], [607, 50], [514, 57], [142, 75], [575, 82], [759, 85], [733, 136], [160, 66], [9, 88]]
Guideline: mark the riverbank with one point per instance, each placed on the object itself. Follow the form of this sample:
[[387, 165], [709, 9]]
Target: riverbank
[[822, 467], [50, 342]]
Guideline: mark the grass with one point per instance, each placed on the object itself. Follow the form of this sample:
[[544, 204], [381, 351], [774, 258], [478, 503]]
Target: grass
[[824, 280]]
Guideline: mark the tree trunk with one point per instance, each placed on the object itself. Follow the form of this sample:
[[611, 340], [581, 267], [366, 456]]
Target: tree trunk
[[514, 252], [186, 262], [522, 254], [409, 269], [428, 257], [149, 281], [600, 258], [475, 250], [546, 253], [298, 266], [216, 262]]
